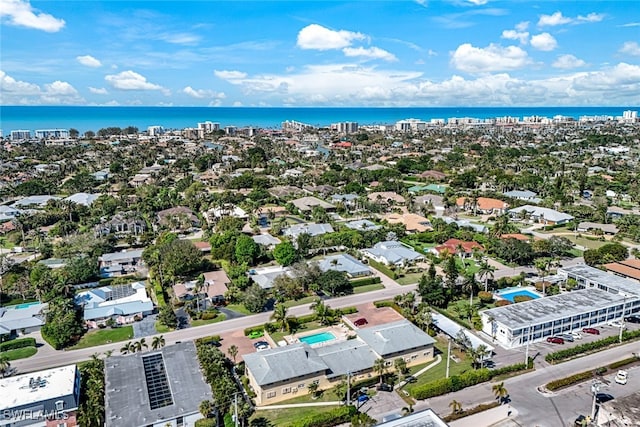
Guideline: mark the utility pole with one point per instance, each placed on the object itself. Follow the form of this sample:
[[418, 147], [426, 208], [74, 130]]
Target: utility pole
[[595, 388], [235, 409], [624, 304], [448, 356], [349, 388], [526, 352]]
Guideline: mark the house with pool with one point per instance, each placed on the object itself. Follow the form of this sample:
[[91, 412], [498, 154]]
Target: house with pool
[[325, 359], [598, 298]]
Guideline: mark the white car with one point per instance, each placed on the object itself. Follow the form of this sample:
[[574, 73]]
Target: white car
[[615, 323], [576, 335], [621, 377]]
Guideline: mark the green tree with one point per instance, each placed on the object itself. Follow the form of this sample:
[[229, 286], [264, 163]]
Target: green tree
[[5, 365], [313, 390], [485, 272], [335, 282], [400, 366], [233, 352], [500, 391], [255, 298], [157, 342], [246, 250], [167, 317], [279, 315], [92, 386], [380, 368], [455, 406], [206, 408], [284, 253], [323, 312], [63, 323]]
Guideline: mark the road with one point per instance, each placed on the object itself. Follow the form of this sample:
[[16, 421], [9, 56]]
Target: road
[[535, 409], [48, 358]]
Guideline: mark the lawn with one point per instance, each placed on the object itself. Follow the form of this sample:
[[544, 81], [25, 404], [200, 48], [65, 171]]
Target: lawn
[[439, 371], [219, 318], [303, 396], [368, 288], [410, 278], [239, 308], [301, 301], [104, 336], [284, 417], [162, 329], [19, 353], [587, 243]]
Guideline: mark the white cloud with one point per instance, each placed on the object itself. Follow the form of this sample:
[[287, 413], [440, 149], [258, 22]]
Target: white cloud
[[229, 74], [89, 61], [21, 13], [24, 93], [180, 38], [544, 41], [630, 48], [493, 58], [315, 36], [130, 80], [478, 2], [567, 62], [98, 91], [516, 35], [371, 52], [522, 26], [558, 19], [553, 20], [203, 93]]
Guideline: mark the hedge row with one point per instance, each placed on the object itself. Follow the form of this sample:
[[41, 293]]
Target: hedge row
[[300, 320], [465, 413], [206, 422], [210, 340], [466, 379], [569, 353], [366, 281], [624, 362], [455, 319], [331, 418], [383, 269], [18, 343], [568, 381]]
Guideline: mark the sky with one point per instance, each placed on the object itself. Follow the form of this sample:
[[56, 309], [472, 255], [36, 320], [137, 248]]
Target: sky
[[331, 53]]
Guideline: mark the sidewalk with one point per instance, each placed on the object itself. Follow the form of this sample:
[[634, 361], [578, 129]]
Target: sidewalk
[[493, 417]]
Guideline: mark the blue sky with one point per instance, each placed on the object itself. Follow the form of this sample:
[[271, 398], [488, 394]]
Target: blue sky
[[329, 53]]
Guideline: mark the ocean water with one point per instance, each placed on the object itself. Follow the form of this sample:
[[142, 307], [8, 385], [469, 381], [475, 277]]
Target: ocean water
[[95, 118]]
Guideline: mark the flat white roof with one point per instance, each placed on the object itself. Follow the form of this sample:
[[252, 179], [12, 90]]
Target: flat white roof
[[57, 382]]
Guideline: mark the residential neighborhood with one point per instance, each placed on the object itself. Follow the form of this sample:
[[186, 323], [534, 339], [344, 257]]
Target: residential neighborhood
[[363, 275]]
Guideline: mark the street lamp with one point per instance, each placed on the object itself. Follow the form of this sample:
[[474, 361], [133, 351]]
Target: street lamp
[[624, 304], [595, 388]]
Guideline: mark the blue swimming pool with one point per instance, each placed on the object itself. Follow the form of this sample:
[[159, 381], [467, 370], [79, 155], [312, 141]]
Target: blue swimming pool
[[510, 293], [25, 305], [317, 338]]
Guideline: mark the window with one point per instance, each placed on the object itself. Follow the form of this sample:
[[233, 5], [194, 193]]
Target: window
[[180, 421], [286, 390], [59, 405], [62, 425], [301, 385], [271, 394]]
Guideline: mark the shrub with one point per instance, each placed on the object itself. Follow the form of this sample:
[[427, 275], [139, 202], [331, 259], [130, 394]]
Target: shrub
[[383, 269], [502, 303], [521, 298], [485, 297], [206, 422], [624, 362], [385, 303], [569, 353], [366, 281], [211, 340], [567, 381], [18, 343], [208, 315], [327, 419], [348, 310], [476, 409]]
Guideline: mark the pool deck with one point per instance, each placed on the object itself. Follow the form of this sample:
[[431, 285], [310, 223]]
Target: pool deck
[[340, 331]]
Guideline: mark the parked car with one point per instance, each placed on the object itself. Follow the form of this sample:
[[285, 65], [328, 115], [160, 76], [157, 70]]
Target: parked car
[[603, 397], [360, 322], [634, 318], [362, 399], [256, 334], [582, 421], [566, 337], [576, 335], [261, 345], [593, 331], [621, 377], [555, 340], [615, 324], [384, 387]]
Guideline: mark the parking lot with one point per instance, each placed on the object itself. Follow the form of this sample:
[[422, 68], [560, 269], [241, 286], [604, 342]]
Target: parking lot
[[374, 315]]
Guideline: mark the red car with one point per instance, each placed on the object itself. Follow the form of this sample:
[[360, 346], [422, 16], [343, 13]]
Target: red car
[[555, 340], [593, 331], [360, 322]]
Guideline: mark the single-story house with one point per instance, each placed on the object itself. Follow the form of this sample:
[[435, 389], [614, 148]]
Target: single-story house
[[465, 223], [34, 201], [178, 217], [457, 247], [15, 318], [266, 240], [85, 199], [526, 195], [586, 226], [310, 228], [413, 223], [122, 303], [483, 205], [265, 276], [629, 268], [541, 215], [346, 263], [393, 253], [362, 225], [122, 314], [120, 263], [345, 199], [433, 174], [231, 210], [306, 204], [389, 197]]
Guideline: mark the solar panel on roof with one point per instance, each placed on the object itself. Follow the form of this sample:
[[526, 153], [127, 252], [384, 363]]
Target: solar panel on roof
[[157, 382]]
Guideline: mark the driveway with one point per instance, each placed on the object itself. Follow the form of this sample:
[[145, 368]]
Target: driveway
[[146, 327], [230, 314]]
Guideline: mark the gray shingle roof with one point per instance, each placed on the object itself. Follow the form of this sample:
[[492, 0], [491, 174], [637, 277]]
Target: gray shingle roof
[[284, 363], [344, 262], [394, 337], [347, 356]]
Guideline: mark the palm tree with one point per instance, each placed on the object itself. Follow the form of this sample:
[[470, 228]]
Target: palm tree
[[280, 316], [380, 367], [500, 391], [233, 352], [542, 264], [469, 285], [4, 365], [313, 390], [157, 342], [400, 365], [424, 317], [455, 406], [128, 348], [485, 272], [323, 311], [407, 410], [138, 345]]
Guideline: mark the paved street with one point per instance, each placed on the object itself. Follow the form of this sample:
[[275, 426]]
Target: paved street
[[536, 409]]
